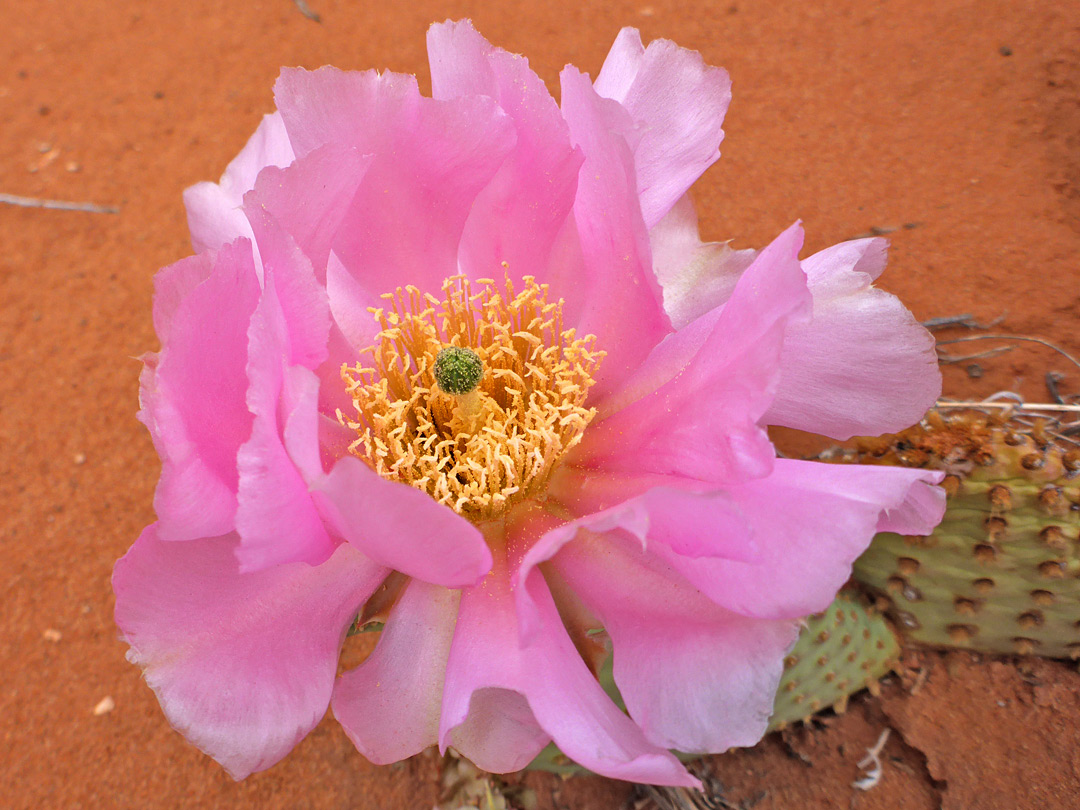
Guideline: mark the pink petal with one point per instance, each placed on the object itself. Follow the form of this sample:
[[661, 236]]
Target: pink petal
[[863, 365], [430, 159], [303, 328], [276, 518], [616, 296], [567, 702], [499, 734], [696, 276], [333, 395], [243, 664], [677, 103], [695, 677], [676, 525], [347, 108], [811, 521], [401, 527], [485, 713], [692, 409], [349, 302], [308, 199], [213, 209], [301, 433], [389, 705], [192, 392], [518, 216], [860, 365]]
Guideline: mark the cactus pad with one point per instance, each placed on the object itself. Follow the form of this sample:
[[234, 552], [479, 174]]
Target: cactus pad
[[1001, 573], [846, 648]]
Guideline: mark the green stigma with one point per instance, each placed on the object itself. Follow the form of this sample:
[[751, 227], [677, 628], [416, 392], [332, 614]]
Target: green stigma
[[457, 370]]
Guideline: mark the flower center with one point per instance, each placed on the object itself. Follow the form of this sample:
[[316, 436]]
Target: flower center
[[474, 397]]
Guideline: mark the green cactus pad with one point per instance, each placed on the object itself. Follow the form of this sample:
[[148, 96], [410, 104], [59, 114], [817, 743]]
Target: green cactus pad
[[1001, 574], [847, 648]]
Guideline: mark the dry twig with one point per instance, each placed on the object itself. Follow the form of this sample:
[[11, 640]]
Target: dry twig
[[872, 761], [58, 205], [1040, 341], [305, 9]]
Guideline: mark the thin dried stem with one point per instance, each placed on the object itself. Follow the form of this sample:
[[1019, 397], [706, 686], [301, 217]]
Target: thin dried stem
[[1020, 406], [57, 205], [1040, 341]]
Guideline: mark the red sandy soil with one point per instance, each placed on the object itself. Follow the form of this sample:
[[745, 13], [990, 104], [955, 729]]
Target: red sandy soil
[[953, 126]]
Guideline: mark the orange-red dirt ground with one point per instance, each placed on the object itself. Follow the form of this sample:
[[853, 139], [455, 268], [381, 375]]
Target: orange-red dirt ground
[[951, 126]]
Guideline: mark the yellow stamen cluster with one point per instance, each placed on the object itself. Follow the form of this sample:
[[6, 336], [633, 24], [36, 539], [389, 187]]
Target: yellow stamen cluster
[[479, 452]]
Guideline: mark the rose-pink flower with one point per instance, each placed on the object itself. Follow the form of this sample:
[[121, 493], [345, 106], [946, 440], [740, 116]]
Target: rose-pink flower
[[612, 471]]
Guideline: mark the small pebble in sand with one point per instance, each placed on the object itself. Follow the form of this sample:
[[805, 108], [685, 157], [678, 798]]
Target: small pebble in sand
[[51, 635], [80, 458], [104, 706], [72, 166]]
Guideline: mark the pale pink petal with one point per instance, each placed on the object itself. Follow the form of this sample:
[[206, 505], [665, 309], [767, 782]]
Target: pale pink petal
[[810, 521], [696, 276], [615, 294], [692, 409], [621, 65], [518, 216], [500, 733], [308, 199], [214, 217], [863, 365], [192, 392], [349, 302], [920, 512], [390, 704], [847, 267], [268, 146], [678, 105], [430, 160], [243, 664], [213, 209], [401, 527], [695, 677], [566, 701]]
